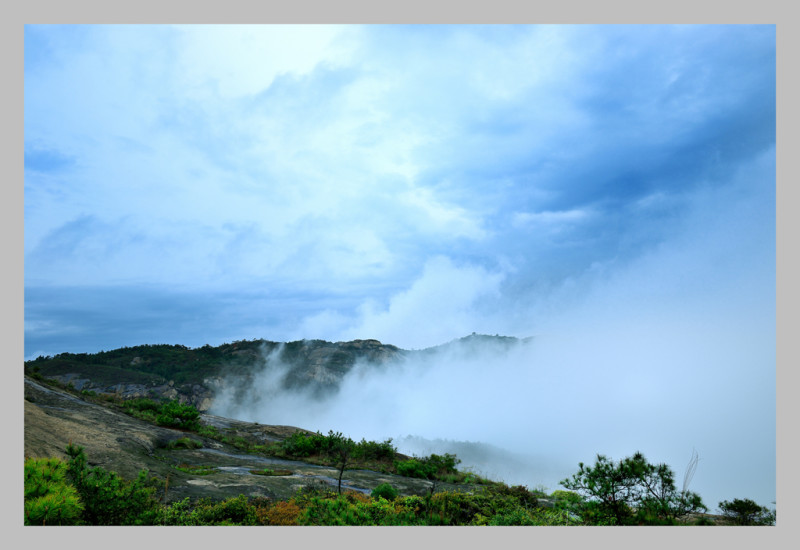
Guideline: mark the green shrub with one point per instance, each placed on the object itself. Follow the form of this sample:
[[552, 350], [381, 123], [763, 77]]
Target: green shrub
[[743, 511], [442, 464], [49, 499], [349, 510], [517, 516], [371, 450], [527, 499], [413, 468], [440, 467], [631, 491], [177, 415], [384, 490], [302, 445], [108, 499], [232, 511]]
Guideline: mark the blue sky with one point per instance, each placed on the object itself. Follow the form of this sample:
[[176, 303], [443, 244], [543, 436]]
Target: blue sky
[[607, 189]]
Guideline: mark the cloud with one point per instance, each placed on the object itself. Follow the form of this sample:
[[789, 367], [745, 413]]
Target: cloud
[[234, 61], [442, 304]]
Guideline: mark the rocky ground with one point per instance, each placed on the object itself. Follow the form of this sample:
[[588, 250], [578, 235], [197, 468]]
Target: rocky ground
[[126, 445]]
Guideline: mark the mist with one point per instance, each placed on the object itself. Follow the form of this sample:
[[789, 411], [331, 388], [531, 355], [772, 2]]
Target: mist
[[668, 354]]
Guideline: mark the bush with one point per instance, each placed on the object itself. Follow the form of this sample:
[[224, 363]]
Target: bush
[[442, 464], [743, 511], [143, 404], [174, 414], [302, 445], [520, 493], [349, 510], [632, 491], [232, 511], [430, 467], [283, 513], [108, 499], [371, 450], [49, 499], [413, 468], [514, 517], [384, 490]]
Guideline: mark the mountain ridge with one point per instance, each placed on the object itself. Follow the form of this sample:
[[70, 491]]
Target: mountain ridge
[[197, 375]]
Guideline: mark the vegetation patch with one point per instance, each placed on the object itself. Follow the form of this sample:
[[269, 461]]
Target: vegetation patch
[[72, 493], [270, 472], [195, 470], [184, 443]]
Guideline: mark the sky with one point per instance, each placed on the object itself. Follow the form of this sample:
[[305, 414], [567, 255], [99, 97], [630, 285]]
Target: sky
[[607, 190]]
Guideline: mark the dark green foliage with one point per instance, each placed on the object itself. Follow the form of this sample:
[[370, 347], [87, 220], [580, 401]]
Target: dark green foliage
[[487, 507], [49, 499], [232, 511], [384, 490], [632, 491], [743, 511], [153, 364], [174, 414], [430, 467], [523, 496], [413, 468], [302, 445], [143, 405], [514, 517], [271, 472], [372, 450], [108, 499]]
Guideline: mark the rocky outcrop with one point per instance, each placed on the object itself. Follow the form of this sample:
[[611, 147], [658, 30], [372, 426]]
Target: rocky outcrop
[[199, 395]]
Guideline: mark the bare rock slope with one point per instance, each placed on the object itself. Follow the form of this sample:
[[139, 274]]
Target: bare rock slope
[[126, 445]]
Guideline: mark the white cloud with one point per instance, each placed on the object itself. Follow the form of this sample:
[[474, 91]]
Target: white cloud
[[235, 60], [442, 304]]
